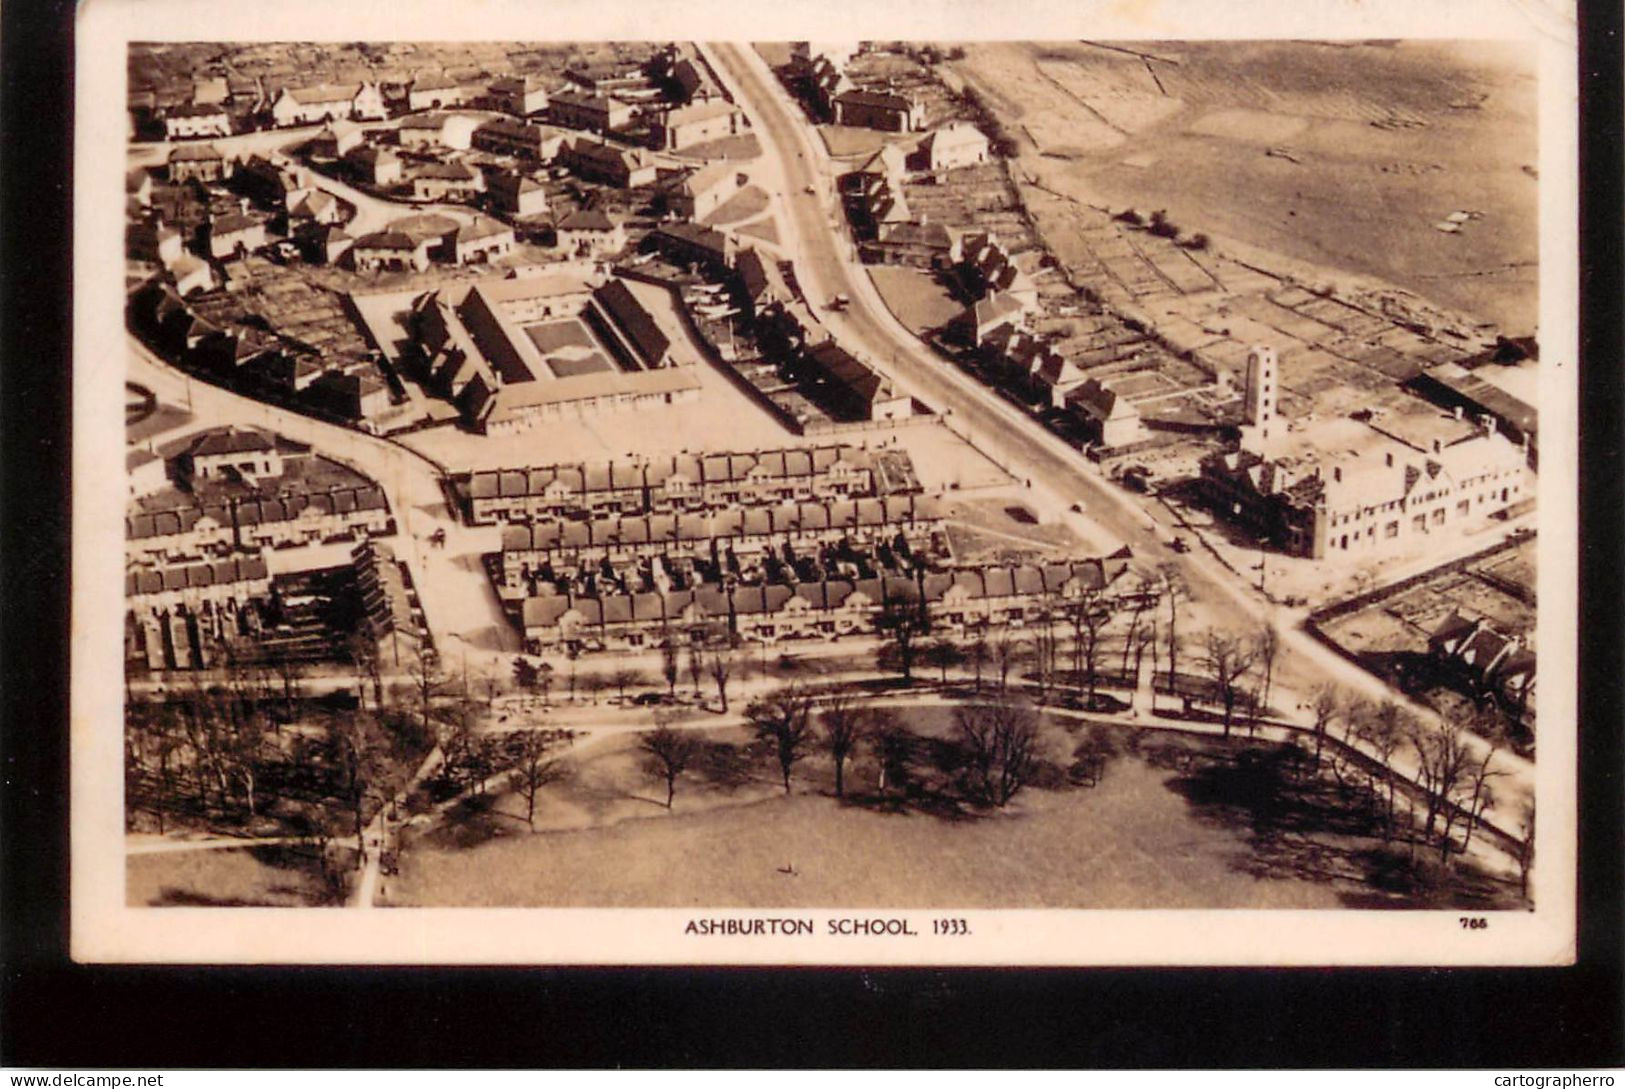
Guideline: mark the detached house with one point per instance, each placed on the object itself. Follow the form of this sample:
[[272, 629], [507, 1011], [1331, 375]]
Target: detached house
[[957, 144], [589, 232], [1106, 415], [377, 165], [517, 194], [235, 235], [197, 162], [592, 112], [446, 181], [519, 95], [884, 110], [480, 241], [705, 190], [334, 140], [328, 102], [696, 123], [390, 251], [191, 121]]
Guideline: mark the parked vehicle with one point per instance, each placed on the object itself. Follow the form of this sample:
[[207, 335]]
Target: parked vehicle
[[1178, 545]]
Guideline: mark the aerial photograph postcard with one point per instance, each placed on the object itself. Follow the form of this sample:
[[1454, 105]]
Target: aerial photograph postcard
[[891, 492]]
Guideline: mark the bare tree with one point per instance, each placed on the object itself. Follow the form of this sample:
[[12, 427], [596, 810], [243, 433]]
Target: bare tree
[[1526, 846], [669, 665], [1175, 592], [720, 666], [696, 666], [1268, 644], [902, 624], [1442, 759], [1480, 797], [1007, 653], [525, 675], [1089, 615], [978, 654], [533, 770], [944, 654], [1145, 595], [1000, 738], [1325, 704], [784, 717], [625, 678], [667, 754], [893, 747], [843, 723], [358, 749], [1385, 730], [364, 656], [427, 682], [1227, 659], [290, 671]]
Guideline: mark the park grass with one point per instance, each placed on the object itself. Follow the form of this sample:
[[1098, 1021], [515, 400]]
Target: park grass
[[1129, 843], [246, 877], [915, 298], [736, 148]]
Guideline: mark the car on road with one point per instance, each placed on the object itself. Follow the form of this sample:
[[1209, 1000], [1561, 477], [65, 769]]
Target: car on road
[[1178, 545], [809, 190], [840, 302]]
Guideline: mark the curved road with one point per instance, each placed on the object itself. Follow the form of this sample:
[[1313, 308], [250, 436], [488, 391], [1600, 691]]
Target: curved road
[[827, 264]]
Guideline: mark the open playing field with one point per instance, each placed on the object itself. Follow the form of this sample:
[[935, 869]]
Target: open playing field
[[1146, 836], [1336, 154]]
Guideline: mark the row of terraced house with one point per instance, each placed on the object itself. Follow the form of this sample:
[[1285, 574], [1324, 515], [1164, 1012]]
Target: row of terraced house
[[958, 600]]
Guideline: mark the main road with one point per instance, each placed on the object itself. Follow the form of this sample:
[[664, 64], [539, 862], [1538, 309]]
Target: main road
[[796, 169]]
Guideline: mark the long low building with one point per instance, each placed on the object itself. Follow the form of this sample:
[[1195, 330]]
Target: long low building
[[682, 481], [705, 535], [515, 353], [957, 600]]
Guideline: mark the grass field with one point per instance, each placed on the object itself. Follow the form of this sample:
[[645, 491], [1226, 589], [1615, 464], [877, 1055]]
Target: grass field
[[915, 297], [250, 877], [1147, 836], [749, 202], [1340, 155]]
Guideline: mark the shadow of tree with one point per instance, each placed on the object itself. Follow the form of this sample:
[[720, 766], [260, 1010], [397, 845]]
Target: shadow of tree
[[1305, 827]]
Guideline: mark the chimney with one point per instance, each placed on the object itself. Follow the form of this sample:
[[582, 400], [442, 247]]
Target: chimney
[[1459, 413]]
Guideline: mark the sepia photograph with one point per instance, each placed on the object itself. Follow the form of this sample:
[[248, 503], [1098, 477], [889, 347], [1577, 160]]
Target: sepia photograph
[[921, 499]]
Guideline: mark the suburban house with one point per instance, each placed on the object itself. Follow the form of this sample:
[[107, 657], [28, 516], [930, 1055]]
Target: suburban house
[[235, 235], [569, 546], [925, 245], [197, 162], [1108, 418], [592, 112], [590, 232], [336, 138], [761, 282], [682, 482], [446, 181], [390, 251], [594, 160], [960, 599], [521, 139], [330, 102], [189, 121], [985, 267], [313, 206], [434, 91], [152, 240], [1487, 660], [705, 190], [480, 241], [854, 388], [450, 130], [518, 95], [695, 123], [243, 452], [690, 243], [984, 316], [955, 145], [325, 243], [377, 165], [887, 111], [517, 194]]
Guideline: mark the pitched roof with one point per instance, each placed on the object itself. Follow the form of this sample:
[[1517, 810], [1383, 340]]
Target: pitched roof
[[630, 316]]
